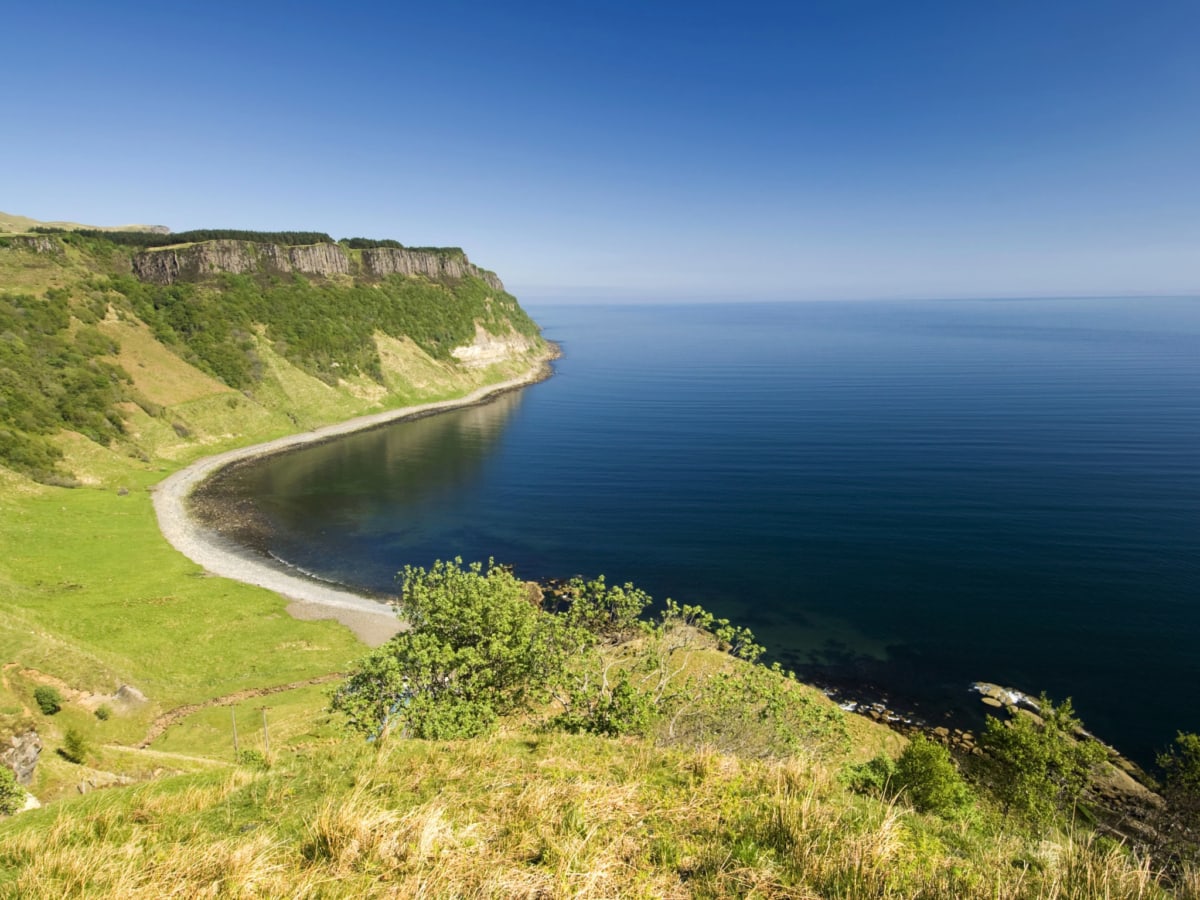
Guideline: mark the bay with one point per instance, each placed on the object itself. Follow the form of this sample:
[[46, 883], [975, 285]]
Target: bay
[[910, 495]]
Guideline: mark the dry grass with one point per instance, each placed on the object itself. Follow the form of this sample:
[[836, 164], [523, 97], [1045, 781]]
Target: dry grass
[[158, 374], [539, 816]]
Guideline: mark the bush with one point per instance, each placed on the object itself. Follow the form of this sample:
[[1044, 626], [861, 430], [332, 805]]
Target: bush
[[928, 778], [48, 699], [612, 613], [1040, 763], [12, 795], [1179, 823], [622, 709], [75, 747], [872, 777], [253, 759], [103, 712], [476, 649], [924, 775]]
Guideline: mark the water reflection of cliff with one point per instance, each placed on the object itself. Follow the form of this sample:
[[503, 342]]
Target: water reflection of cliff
[[302, 495]]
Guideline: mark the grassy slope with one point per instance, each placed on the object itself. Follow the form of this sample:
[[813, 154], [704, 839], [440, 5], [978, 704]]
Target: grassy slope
[[92, 596], [20, 224], [532, 815]]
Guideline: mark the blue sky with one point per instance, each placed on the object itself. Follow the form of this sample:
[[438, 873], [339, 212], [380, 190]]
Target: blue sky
[[610, 150]]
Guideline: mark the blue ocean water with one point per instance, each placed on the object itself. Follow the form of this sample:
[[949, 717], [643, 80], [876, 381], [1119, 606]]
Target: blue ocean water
[[914, 495]]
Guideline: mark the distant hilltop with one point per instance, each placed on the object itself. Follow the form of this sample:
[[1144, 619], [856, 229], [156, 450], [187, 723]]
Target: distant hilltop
[[21, 224]]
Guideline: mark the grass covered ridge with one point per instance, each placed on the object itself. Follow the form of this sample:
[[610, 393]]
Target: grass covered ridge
[[526, 814]]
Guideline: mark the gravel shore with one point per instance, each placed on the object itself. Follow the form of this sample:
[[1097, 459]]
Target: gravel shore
[[373, 622]]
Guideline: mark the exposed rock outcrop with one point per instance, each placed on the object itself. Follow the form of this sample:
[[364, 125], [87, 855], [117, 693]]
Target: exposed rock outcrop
[[199, 261], [37, 243], [490, 348], [128, 695], [20, 753], [385, 261]]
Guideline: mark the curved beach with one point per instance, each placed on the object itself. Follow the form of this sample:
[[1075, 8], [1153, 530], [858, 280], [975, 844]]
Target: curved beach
[[373, 622]]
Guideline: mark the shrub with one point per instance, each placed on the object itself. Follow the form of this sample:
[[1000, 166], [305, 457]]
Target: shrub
[[476, 649], [871, 777], [612, 613], [253, 759], [75, 747], [48, 699], [622, 709], [12, 795], [928, 778], [103, 712], [1179, 823], [1040, 763]]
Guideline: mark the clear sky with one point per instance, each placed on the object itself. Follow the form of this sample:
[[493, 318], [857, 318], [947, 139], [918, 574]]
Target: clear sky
[[808, 149]]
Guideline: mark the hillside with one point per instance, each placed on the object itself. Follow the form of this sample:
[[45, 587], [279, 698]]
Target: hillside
[[23, 224], [613, 747], [109, 383], [124, 345]]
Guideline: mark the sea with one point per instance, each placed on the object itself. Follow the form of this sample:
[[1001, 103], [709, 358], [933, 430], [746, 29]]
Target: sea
[[900, 498]]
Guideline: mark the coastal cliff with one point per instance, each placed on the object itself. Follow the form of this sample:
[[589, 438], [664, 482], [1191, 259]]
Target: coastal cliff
[[196, 262]]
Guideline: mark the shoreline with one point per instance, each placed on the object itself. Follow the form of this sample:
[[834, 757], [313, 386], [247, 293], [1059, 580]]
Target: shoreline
[[372, 621]]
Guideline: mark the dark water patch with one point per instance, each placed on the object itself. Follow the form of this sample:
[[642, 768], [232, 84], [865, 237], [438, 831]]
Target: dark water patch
[[914, 495]]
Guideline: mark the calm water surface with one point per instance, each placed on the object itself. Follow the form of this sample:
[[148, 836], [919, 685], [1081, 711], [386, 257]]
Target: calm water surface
[[912, 494]]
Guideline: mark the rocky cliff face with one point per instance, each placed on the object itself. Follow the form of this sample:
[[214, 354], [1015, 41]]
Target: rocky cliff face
[[20, 753], [199, 261], [35, 243], [490, 348], [389, 261]]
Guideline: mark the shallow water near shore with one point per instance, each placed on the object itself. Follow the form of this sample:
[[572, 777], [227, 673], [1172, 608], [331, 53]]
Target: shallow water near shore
[[912, 495]]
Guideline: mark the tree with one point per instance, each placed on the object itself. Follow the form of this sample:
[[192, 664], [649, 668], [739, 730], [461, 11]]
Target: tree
[[609, 612], [1041, 763], [477, 648], [1179, 825], [927, 776]]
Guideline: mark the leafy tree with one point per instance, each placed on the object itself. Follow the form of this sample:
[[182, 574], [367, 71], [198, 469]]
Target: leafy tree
[[928, 778], [143, 239], [1040, 763], [1181, 767], [609, 612], [476, 648], [596, 708], [360, 243], [12, 795], [1179, 823], [48, 699], [51, 380]]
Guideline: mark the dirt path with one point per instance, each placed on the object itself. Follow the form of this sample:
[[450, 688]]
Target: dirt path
[[167, 719]]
